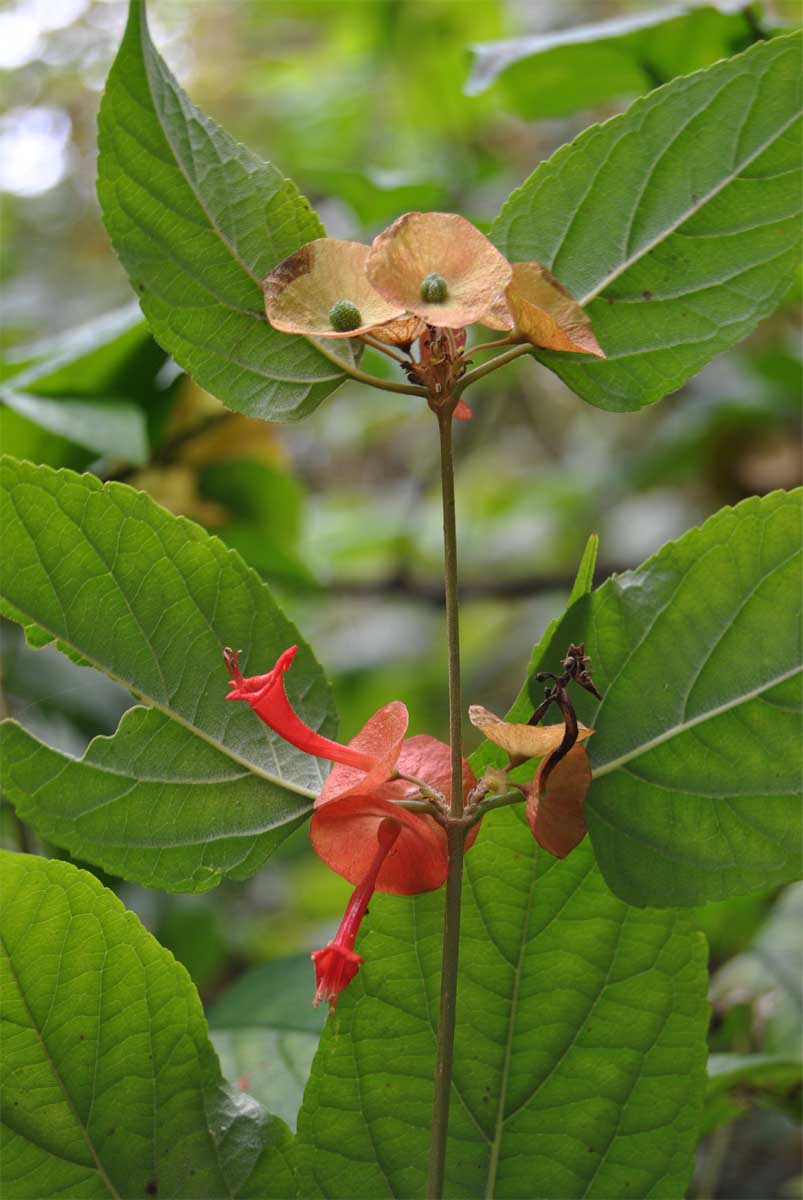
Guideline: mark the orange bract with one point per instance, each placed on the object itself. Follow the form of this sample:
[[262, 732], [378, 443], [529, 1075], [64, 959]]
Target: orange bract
[[442, 246], [302, 291], [543, 312], [556, 809]]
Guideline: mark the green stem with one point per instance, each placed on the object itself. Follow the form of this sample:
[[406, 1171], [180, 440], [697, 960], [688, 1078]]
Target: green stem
[[456, 833], [387, 385], [500, 360]]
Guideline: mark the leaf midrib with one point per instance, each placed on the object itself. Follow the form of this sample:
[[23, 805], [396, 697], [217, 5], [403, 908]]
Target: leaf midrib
[[675, 730], [667, 232]]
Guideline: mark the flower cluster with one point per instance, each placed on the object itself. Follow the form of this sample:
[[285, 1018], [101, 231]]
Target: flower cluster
[[360, 826], [380, 819], [424, 279]]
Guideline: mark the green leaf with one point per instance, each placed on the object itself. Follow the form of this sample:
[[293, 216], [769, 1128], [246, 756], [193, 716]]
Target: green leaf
[[580, 1052], [198, 222], [584, 579], [190, 788], [266, 1032], [91, 358], [90, 386], [111, 1087], [113, 427], [554, 74], [676, 223], [768, 975], [488, 754], [735, 1079], [696, 756]]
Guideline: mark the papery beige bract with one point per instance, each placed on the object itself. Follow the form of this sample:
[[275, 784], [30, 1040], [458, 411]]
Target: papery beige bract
[[544, 313], [302, 291], [401, 332], [420, 246], [527, 741]]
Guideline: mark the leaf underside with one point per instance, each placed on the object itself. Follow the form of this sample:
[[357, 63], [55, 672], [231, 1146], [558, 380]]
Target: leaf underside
[[677, 224], [189, 788]]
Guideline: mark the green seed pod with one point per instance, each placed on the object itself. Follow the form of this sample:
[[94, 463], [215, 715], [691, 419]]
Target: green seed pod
[[345, 316], [434, 289]]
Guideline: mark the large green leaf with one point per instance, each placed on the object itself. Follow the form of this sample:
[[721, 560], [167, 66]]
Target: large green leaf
[[676, 223], [191, 787], [198, 222], [557, 73], [697, 751], [580, 1053], [266, 1032], [110, 1085]]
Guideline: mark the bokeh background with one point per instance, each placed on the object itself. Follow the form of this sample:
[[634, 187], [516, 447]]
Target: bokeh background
[[376, 107]]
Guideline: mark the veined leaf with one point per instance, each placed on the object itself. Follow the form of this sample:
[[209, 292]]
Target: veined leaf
[[697, 752], [580, 1054], [557, 73], [110, 1085], [191, 787], [676, 223], [198, 222]]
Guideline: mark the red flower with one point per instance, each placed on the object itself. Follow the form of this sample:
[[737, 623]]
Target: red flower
[[338, 963], [358, 807], [267, 697]]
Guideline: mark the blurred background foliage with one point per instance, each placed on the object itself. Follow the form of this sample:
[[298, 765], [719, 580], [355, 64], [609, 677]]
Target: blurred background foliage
[[376, 107]]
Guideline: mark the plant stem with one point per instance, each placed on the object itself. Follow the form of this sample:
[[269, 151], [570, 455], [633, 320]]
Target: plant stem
[[387, 385], [456, 833], [500, 360]]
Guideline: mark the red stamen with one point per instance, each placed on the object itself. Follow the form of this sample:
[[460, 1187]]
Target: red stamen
[[337, 964]]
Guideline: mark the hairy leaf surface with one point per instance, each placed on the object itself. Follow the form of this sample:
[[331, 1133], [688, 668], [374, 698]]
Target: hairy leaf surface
[[190, 787], [580, 1053], [198, 222], [110, 1085], [677, 224]]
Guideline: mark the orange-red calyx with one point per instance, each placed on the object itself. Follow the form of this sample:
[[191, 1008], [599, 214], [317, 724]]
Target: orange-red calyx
[[267, 697], [337, 963]]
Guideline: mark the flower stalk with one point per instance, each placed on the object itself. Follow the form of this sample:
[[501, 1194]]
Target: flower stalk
[[456, 833]]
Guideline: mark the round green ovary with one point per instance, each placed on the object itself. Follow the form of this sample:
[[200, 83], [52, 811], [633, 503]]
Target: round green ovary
[[345, 316], [434, 289]]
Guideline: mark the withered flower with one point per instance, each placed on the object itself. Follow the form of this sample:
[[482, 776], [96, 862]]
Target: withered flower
[[439, 267], [323, 291], [540, 310]]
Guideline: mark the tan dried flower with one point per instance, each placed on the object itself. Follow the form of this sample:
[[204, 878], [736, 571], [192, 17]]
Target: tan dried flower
[[439, 267], [323, 291], [526, 741], [540, 310]]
